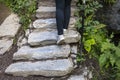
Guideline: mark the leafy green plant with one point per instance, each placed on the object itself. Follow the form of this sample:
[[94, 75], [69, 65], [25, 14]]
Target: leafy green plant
[[24, 8], [97, 43], [109, 1]]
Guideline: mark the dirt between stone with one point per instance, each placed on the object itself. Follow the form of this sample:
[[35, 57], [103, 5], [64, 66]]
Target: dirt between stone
[[4, 12]]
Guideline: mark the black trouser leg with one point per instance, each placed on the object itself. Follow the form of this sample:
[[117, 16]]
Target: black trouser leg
[[60, 15], [63, 12], [67, 13]]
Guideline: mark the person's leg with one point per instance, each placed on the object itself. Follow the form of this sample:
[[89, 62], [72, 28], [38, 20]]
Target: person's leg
[[60, 4], [67, 13]]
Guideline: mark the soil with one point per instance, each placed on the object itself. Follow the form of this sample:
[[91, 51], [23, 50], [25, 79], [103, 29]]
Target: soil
[[4, 12]]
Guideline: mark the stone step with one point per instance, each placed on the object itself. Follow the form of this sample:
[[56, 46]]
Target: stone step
[[5, 45], [49, 12], [50, 37], [52, 3], [10, 26], [51, 23], [77, 77], [49, 68], [46, 52]]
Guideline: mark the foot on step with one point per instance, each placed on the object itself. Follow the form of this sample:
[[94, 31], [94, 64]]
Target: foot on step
[[60, 39]]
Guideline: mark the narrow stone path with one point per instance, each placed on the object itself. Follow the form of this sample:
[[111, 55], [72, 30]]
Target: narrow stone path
[[39, 54], [8, 29]]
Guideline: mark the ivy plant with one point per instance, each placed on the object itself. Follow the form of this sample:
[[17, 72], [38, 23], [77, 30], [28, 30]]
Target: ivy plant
[[97, 44], [24, 8]]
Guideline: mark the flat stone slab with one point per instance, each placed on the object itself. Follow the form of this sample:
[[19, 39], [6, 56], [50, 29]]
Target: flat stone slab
[[72, 36], [50, 37], [46, 52], [5, 45], [10, 26], [42, 38], [74, 49], [52, 2], [85, 75], [77, 77], [45, 68], [51, 23], [49, 12]]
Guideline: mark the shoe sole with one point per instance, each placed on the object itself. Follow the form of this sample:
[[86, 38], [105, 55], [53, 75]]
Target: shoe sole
[[61, 42]]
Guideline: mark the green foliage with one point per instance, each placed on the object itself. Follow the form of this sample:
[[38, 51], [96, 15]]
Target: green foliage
[[109, 1], [24, 8], [97, 44], [91, 26]]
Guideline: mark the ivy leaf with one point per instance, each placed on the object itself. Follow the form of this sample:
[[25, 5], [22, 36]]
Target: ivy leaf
[[118, 76], [105, 46], [88, 43], [100, 26], [117, 52], [118, 63], [88, 48], [102, 60], [112, 59], [92, 41]]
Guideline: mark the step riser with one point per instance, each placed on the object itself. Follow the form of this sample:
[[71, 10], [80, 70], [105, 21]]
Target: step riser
[[42, 38], [49, 12], [52, 3], [50, 37], [51, 23], [46, 52], [45, 68]]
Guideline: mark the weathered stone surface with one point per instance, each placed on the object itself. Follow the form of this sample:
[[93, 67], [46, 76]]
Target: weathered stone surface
[[52, 51], [5, 45], [27, 32], [22, 42], [45, 23], [80, 77], [85, 75], [44, 68], [74, 49], [52, 3], [49, 12], [73, 56], [51, 23], [42, 38], [45, 12], [46, 3], [10, 26], [50, 37], [72, 36], [77, 77]]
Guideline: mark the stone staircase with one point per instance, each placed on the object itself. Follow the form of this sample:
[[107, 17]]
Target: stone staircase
[[38, 53]]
